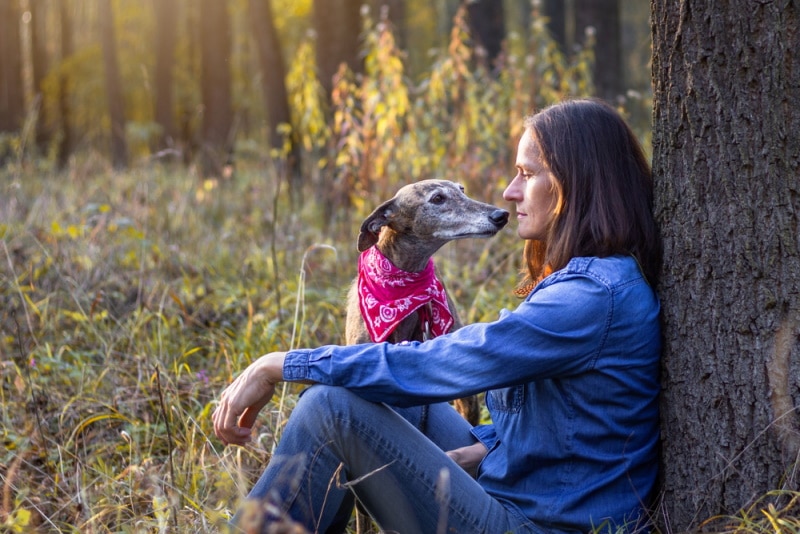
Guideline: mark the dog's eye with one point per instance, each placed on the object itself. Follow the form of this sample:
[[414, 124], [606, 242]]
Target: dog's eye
[[438, 198]]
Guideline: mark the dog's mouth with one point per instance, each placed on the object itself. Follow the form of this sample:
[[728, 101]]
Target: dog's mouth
[[489, 232]]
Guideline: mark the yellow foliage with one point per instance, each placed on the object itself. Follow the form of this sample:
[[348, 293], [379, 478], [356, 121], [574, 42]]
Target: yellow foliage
[[306, 101], [18, 521]]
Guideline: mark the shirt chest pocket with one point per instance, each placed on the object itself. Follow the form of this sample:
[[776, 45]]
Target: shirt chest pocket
[[508, 400]]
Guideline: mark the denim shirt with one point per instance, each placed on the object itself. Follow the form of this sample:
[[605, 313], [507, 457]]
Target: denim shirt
[[572, 380]]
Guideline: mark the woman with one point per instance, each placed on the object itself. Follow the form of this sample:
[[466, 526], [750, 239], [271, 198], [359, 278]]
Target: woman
[[572, 373]]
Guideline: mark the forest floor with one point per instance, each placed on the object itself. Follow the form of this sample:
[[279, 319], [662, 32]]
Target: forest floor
[[129, 300]]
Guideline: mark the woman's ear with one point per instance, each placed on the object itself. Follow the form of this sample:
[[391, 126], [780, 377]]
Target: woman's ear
[[371, 227]]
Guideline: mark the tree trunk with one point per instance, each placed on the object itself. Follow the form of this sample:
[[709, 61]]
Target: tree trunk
[[727, 168], [445, 13], [12, 97], [273, 83], [487, 23], [604, 17], [66, 145], [273, 68], [166, 12], [556, 13], [338, 26], [116, 107], [396, 14], [40, 66], [215, 52], [189, 132]]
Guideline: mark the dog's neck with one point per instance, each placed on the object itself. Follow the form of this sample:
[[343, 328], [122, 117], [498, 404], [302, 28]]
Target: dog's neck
[[405, 252]]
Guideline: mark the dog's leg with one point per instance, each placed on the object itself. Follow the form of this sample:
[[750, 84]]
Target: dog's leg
[[468, 407]]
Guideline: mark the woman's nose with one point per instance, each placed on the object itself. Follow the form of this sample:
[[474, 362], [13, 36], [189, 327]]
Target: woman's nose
[[511, 193]]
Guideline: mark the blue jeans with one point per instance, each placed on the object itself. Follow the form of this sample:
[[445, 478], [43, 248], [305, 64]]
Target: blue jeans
[[337, 446]]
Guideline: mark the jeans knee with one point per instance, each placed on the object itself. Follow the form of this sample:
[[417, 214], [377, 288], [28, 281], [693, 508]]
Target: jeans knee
[[321, 401]]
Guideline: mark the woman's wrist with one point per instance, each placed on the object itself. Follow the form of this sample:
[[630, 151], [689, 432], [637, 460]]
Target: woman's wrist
[[272, 367]]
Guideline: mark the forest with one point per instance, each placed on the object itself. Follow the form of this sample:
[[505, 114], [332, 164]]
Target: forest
[[211, 83], [182, 184]]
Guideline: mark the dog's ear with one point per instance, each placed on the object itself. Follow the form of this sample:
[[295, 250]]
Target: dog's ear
[[371, 227]]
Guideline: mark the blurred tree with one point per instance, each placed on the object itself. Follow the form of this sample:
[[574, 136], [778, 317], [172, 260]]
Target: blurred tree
[[273, 84], [273, 68], [215, 81], [420, 34], [396, 14], [188, 87], [12, 96], [337, 24], [726, 158], [116, 106], [166, 14], [636, 44], [604, 17], [556, 13], [40, 65], [445, 12], [487, 26], [67, 142]]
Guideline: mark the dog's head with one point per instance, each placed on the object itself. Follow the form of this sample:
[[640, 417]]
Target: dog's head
[[432, 212]]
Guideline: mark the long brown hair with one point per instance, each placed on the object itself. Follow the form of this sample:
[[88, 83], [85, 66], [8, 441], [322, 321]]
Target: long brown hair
[[605, 188]]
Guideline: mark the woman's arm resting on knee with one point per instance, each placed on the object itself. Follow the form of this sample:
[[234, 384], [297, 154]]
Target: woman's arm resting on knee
[[241, 401]]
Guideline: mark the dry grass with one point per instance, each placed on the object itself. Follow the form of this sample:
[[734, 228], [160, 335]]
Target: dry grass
[[128, 301]]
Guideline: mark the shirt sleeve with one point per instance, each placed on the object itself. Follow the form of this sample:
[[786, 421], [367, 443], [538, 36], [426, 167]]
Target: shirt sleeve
[[559, 330], [485, 434]]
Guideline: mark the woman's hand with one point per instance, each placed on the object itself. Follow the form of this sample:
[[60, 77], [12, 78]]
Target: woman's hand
[[241, 401], [469, 457]]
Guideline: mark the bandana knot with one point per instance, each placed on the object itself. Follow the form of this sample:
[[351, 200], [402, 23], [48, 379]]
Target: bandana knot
[[387, 295]]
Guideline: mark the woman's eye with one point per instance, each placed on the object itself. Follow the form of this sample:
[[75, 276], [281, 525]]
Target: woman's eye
[[438, 198], [527, 175]]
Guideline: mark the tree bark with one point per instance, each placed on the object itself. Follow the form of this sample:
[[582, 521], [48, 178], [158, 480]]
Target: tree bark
[[116, 107], [338, 26], [67, 142], [727, 167], [604, 17], [166, 12], [215, 51], [12, 97]]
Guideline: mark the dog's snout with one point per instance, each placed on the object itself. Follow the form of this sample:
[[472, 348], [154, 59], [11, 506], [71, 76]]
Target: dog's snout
[[499, 217]]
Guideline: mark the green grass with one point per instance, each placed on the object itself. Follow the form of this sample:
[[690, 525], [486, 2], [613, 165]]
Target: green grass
[[129, 300]]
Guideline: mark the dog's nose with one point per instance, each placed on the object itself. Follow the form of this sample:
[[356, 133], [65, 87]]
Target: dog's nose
[[499, 217]]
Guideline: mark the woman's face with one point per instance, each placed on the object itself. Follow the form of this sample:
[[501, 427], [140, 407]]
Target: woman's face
[[533, 190]]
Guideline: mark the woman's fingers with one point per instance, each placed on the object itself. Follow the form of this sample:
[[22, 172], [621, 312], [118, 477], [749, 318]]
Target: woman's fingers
[[241, 401]]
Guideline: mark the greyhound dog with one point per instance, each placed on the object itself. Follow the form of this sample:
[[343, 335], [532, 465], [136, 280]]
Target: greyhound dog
[[397, 241]]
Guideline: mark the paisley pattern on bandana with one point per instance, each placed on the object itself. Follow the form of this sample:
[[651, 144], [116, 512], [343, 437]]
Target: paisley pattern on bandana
[[387, 295]]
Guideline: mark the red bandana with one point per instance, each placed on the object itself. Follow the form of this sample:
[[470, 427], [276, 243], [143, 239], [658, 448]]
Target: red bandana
[[387, 295]]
